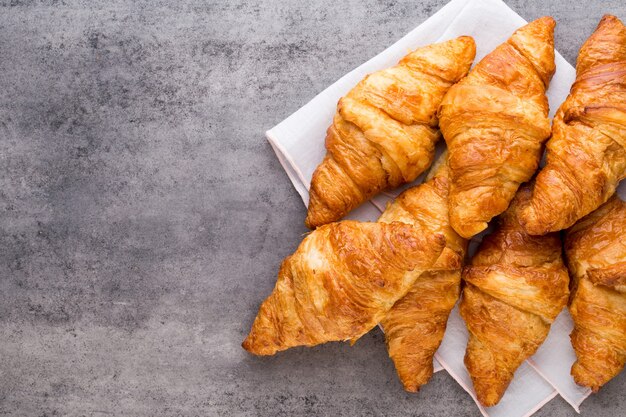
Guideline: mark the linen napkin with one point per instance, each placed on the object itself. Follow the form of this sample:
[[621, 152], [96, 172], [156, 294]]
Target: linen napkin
[[299, 145]]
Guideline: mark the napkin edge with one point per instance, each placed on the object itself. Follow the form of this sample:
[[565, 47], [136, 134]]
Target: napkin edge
[[290, 167], [482, 409], [575, 404]]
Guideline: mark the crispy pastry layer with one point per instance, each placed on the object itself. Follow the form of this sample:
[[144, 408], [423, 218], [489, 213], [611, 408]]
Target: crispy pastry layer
[[494, 122], [341, 281], [596, 254], [516, 285], [586, 156], [385, 129], [415, 325]]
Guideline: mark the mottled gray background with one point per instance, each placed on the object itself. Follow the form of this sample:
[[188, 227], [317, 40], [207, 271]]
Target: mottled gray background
[[144, 215]]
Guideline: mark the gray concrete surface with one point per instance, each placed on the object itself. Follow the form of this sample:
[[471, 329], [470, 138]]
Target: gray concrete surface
[[144, 216]]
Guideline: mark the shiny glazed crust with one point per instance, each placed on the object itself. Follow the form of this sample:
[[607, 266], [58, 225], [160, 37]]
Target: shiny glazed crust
[[516, 285], [385, 129], [586, 156], [596, 254], [494, 122], [341, 281], [415, 325]]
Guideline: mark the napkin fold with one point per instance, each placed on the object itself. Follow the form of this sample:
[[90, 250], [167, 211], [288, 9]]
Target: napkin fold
[[299, 145]]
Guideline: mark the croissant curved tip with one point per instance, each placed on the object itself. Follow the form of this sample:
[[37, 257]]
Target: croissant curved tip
[[247, 345], [526, 220], [488, 399], [466, 39], [532, 229], [539, 28], [259, 342], [531, 221], [488, 392], [547, 20], [411, 387], [468, 230], [609, 19], [411, 376], [256, 348], [584, 378], [318, 214], [545, 23]]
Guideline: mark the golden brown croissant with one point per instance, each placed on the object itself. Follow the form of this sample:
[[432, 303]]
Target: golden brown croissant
[[341, 281], [516, 285], [495, 121], [586, 156], [385, 129], [596, 256], [415, 325]]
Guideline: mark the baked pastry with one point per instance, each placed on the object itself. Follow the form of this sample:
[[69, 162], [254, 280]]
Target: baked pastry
[[596, 255], [385, 129], [495, 121], [415, 325], [586, 156], [516, 285], [339, 284]]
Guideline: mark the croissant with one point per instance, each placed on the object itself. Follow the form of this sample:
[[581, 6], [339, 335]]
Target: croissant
[[385, 129], [341, 281], [416, 323], [586, 156], [516, 285], [596, 255], [494, 122]]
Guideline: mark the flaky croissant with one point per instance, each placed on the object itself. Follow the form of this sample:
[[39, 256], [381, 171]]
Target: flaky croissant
[[494, 122], [385, 129], [596, 255], [516, 285], [586, 156], [415, 325], [341, 281]]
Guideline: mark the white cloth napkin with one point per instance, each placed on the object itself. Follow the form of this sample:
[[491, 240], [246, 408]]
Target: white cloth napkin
[[299, 145]]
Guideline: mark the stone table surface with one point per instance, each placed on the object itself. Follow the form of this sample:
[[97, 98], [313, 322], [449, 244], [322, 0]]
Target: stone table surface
[[144, 215]]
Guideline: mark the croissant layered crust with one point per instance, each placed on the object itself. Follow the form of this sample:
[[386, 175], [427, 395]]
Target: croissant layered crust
[[385, 129], [341, 281], [596, 253], [415, 325], [494, 122], [586, 156], [516, 285]]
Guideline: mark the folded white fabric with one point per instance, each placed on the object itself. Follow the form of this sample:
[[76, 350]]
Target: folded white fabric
[[299, 144]]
